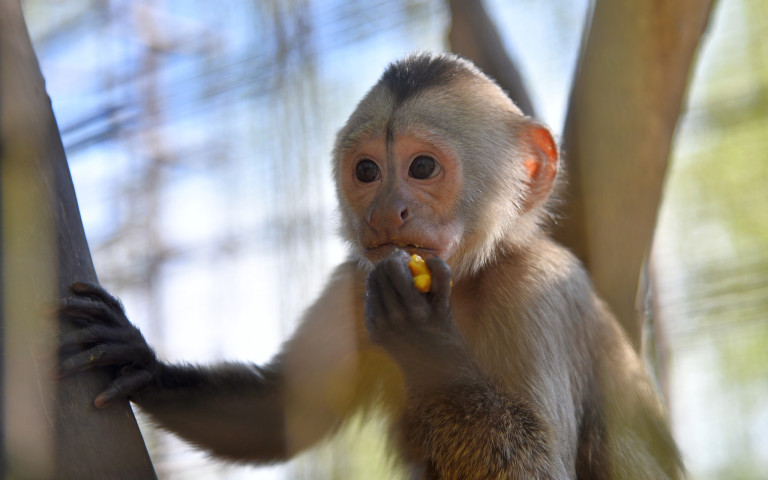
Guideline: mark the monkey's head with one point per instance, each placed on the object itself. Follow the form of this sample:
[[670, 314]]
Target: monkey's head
[[437, 159]]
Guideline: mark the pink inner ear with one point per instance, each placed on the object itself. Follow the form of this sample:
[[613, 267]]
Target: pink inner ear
[[541, 165], [533, 167], [545, 155], [544, 141]]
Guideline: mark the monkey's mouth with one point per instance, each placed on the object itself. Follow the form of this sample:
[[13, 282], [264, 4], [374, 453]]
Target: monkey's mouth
[[379, 251]]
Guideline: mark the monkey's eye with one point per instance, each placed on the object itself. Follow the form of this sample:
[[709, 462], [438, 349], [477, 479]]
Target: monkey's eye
[[367, 171], [422, 167]]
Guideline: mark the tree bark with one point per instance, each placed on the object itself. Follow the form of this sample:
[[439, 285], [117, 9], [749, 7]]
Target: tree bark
[[624, 106], [50, 429], [474, 36]]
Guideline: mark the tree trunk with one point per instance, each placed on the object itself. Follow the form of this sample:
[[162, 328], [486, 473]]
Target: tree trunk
[[50, 429], [474, 36], [624, 106]]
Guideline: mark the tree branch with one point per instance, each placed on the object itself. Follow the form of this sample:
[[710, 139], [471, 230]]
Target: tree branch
[[474, 36], [44, 250], [624, 106]]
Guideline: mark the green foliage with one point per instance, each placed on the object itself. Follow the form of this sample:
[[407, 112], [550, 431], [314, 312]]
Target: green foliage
[[715, 216]]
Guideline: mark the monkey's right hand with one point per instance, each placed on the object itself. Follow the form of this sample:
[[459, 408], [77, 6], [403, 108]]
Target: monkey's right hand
[[104, 337]]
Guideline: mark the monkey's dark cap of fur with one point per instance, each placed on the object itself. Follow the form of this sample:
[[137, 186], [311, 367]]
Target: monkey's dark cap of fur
[[418, 72]]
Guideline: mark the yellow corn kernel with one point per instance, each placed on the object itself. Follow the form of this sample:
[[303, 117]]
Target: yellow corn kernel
[[417, 265], [423, 282], [422, 278]]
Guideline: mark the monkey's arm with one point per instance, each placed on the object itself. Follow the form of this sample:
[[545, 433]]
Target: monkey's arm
[[236, 411], [463, 423]]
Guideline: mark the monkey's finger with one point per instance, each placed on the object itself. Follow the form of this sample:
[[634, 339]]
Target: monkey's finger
[[94, 334], [403, 304], [99, 356], [441, 276], [401, 280], [375, 313], [95, 292], [85, 312], [414, 306], [123, 387], [378, 299], [381, 287], [385, 318]]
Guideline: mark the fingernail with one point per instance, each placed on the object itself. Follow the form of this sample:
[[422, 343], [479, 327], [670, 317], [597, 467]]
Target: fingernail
[[101, 401]]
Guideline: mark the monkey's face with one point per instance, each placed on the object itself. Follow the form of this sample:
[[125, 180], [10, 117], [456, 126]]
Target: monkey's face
[[436, 159], [401, 191]]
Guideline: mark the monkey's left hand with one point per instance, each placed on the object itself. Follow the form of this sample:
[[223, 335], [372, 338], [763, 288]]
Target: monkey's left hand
[[416, 329], [104, 337]]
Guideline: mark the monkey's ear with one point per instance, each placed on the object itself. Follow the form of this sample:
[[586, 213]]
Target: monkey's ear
[[541, 163]]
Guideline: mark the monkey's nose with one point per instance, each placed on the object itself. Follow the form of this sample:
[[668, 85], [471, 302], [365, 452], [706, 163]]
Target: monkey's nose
[[388, 218]]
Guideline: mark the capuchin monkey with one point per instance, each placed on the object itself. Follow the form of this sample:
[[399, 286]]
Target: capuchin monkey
[[509, 367]]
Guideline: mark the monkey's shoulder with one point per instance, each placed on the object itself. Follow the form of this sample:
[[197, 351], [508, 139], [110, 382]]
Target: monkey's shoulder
[[541, 269]]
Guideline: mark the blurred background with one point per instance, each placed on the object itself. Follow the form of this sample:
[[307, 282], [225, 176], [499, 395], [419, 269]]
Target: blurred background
[[199, 134]]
